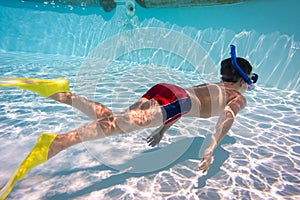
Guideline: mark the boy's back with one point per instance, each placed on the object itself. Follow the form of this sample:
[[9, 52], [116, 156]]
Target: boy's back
[[211, 99]]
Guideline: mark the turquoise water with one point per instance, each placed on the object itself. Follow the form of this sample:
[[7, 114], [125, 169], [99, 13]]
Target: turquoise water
[[113, 58]]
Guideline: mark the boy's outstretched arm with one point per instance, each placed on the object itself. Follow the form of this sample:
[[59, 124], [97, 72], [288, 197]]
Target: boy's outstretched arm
[[224, 124]]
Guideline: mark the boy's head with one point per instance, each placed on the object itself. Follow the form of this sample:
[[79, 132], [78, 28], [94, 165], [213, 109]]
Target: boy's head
[[229, 74]]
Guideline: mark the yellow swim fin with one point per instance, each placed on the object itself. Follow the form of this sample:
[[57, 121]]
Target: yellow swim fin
[[37, 156], [45, 88]]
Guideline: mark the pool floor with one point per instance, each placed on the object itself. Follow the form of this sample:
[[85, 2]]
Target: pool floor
[[258, 159]]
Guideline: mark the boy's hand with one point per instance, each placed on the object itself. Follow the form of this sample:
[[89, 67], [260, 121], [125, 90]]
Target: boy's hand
[[155, 137], [205, 162]]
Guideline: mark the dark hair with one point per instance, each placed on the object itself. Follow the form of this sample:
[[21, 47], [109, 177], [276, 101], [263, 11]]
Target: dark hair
[[228, 72]]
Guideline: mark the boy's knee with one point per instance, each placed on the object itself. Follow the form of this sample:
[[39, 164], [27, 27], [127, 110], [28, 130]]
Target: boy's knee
[[103, 112], [108, 125]]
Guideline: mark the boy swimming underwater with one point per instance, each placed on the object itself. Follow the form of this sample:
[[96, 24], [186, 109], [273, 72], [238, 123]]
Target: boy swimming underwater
[[161, 106]]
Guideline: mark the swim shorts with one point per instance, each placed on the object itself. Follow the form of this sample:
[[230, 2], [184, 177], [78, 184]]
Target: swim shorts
[[174, 100]]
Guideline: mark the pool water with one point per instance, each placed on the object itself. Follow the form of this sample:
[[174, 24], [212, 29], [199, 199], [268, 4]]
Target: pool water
[[114, 61]]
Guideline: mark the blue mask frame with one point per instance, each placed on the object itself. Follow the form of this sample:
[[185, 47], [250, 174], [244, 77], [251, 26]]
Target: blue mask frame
[[240, 71]]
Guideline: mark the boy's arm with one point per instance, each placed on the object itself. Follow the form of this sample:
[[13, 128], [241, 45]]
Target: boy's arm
[[224, 124]]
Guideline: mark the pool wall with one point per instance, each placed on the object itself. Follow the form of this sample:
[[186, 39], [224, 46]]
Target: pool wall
[[265, 32]]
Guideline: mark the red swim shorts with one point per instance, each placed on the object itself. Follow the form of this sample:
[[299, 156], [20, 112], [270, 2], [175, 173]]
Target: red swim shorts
[[174, 100]]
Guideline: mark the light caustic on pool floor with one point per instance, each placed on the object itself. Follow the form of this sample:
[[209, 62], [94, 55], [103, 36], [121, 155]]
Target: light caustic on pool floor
[[258, 158]]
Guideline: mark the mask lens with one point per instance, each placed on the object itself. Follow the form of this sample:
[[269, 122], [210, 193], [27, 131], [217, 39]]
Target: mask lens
[[254, 77]]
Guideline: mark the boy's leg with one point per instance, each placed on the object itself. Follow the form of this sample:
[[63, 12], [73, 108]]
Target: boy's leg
[[93, 110], [143, 116], [58, 89]]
